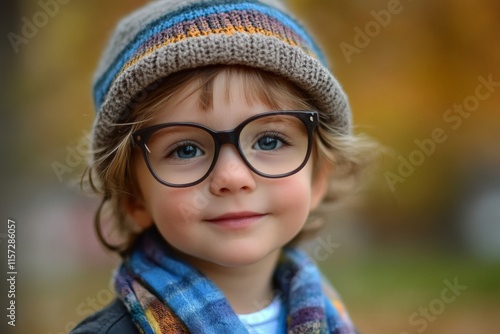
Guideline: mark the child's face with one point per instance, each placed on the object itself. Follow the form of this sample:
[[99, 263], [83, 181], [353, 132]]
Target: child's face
[[234, 217]]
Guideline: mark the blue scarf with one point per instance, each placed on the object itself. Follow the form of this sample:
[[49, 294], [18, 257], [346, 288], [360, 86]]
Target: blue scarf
[[164, 294]]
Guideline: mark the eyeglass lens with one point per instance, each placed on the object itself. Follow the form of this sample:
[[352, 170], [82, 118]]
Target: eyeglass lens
[[272, 145]]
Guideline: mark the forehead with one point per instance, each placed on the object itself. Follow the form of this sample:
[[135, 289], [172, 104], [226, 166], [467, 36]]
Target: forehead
[[209, 88], [225, 99]]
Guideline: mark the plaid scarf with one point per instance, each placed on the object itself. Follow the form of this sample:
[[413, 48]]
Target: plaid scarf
[[164, 294]]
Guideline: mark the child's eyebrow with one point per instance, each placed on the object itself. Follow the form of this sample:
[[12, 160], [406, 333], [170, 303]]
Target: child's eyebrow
[[279, 120]]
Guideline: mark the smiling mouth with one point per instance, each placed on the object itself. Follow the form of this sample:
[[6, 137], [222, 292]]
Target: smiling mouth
[[237, 219]]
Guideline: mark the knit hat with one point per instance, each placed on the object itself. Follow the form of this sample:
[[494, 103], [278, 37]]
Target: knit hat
[[166, 36]]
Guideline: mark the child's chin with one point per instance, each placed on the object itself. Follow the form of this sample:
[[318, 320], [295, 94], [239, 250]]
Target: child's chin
[[244, 257]]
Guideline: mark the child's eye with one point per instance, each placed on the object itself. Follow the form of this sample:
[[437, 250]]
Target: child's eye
[[270, 142], [184, 151]]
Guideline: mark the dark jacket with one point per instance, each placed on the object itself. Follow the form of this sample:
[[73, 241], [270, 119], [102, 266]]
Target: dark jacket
[[113, 319]]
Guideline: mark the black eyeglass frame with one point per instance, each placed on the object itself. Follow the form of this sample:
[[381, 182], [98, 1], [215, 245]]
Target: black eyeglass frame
[[309, 118]]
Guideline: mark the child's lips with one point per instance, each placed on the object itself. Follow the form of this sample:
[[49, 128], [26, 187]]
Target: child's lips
[[236, 219]]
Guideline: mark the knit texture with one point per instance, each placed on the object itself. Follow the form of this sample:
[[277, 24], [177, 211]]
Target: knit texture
[[168, 36], [166, 295]]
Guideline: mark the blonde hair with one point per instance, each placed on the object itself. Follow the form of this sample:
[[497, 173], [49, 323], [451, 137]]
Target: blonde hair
[[110, 173]]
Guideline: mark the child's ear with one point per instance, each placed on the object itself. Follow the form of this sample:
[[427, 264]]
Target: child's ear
[[134, 208], [320, 183]]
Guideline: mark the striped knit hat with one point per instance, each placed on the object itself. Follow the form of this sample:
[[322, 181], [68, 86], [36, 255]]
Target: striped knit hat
[[166, 36]]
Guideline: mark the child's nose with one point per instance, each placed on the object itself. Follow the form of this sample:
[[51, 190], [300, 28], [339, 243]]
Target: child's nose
[[231, 174]]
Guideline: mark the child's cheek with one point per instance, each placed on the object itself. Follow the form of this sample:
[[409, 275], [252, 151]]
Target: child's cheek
[[292, 194], [179, 206]]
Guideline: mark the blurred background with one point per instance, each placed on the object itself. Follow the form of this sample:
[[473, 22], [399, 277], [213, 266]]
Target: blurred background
[[423, 79]]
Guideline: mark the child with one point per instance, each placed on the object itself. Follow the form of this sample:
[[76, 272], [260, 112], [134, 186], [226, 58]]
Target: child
[[218, 128]]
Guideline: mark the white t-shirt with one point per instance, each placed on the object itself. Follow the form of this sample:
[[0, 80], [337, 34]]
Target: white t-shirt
[[265, 321]]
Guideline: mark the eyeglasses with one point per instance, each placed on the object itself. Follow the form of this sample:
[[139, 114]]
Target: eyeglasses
[[273, 145]]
